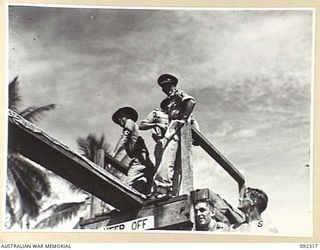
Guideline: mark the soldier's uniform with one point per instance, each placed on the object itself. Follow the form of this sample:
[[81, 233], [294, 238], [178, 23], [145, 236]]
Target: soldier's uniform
[[158, 116], [141, 169], [177, 101]]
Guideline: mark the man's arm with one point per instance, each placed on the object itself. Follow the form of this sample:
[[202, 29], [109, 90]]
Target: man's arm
[[186, 105], [186, 111], [127, 130], [150, 122], [144, 125], [121, 142], [189, 108]]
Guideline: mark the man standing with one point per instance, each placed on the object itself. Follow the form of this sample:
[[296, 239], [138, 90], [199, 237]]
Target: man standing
[[180, 106], [204, 211], [252, 204], [141, 169], [158, 121]]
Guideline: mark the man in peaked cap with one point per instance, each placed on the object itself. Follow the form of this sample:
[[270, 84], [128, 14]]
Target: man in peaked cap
[[141, 169], [179, 108]]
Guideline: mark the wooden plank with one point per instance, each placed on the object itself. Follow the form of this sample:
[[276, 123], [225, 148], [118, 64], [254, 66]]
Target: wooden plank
[[116, 164], [218, 157], [187, 182], [97, 206], [30, 141], [171, 214]]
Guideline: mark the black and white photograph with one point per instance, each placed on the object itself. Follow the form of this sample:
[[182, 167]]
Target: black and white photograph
[[140, 119]]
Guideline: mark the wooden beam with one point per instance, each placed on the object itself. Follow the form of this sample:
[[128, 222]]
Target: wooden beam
[[218, 157], [187, 182], [171, 214], [30, 141], [116, 164]]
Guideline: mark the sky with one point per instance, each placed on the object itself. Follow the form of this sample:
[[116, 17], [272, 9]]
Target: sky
[[248, 70]]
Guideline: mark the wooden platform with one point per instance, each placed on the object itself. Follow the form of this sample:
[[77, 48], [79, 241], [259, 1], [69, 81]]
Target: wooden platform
[[170, 214], [132, 207]]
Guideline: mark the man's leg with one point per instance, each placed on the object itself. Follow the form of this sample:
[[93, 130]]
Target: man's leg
[[136, 177], [164, 174]]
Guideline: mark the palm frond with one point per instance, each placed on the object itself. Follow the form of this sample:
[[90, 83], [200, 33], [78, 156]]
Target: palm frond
[[76, 189], [31, 184], [14, 97], [29, 201], [33, 114], [13, 195], [84, 147], [10, 211], [61, 213], [91, 144], [37, 177]]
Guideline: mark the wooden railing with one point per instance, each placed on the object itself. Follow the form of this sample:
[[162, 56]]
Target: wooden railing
[[219, 158]]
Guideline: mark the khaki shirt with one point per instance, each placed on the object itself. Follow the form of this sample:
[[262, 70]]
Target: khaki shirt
[[130, 136], [158, 116], [177, 104]]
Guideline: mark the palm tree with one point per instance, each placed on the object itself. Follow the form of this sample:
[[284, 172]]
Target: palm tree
[[90, 146], [58, 213], [27, 182]]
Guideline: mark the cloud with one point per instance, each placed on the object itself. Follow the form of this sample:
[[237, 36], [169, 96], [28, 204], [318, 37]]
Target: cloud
[[249, 72], [245, 133]]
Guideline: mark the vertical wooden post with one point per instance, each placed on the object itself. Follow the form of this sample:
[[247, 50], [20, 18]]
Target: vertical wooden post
[[186, 160], [177, 171], [97, 206]]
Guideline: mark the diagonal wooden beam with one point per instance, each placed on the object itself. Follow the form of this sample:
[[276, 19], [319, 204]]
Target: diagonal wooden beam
[[27, 139], [219, 158]]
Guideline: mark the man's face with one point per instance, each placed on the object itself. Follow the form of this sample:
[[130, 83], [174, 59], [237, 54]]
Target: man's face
[[245, 202], [203, 213], [168, 89], [122, 121]]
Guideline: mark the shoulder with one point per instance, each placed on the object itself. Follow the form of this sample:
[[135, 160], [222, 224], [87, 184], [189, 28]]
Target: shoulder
[[260, 226], [183, 95], [266, 225], [220, 226], [235, 227], [130, 125], [152, 114]]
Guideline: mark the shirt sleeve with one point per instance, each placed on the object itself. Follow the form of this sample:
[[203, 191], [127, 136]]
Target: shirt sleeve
[[184, 96], [150, 117]]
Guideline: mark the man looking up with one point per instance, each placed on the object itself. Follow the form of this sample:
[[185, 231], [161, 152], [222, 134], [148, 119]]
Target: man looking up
[[253, 202], [204, 211]]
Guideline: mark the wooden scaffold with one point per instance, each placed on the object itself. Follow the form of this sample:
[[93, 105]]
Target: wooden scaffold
[[132, 210]]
